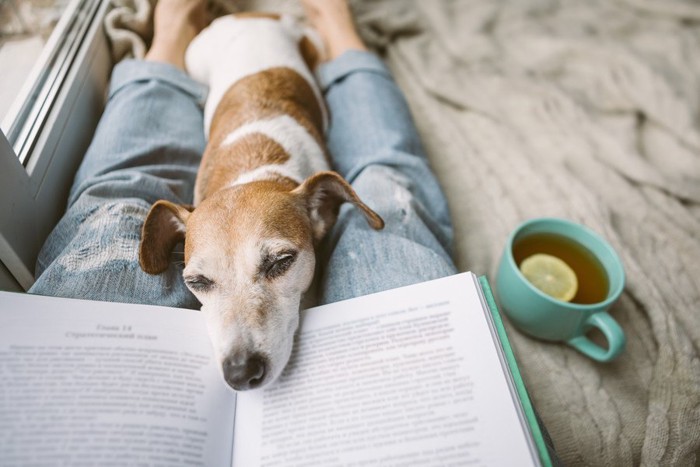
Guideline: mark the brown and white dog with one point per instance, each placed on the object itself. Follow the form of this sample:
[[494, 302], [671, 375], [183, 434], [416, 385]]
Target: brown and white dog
[[264, 196]]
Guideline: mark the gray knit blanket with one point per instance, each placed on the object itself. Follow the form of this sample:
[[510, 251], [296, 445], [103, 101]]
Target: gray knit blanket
[[587, 110]]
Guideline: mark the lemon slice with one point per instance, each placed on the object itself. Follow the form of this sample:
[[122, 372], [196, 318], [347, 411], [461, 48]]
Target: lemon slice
[[551, 275]]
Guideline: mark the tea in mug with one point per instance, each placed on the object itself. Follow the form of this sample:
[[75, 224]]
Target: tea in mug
[[593, 283]]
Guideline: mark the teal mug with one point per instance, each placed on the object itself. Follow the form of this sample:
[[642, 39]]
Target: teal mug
[[544, 317]]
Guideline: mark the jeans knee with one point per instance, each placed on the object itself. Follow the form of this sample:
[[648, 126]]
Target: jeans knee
[[388, 192], [411, 208], [107, 236]]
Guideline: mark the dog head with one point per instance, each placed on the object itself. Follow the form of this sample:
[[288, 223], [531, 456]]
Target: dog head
[[249, 257]]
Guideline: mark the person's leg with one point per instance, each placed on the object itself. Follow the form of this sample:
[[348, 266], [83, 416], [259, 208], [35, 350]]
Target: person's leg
[[147, 147], [375, 146]]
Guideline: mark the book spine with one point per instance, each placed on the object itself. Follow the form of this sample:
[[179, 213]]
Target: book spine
[[517, 378]]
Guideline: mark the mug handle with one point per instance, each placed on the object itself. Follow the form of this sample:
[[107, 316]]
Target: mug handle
[[612, 331]]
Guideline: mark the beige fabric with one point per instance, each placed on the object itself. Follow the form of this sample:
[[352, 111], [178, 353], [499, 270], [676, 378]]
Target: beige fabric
[[129, 26], [587, 110]]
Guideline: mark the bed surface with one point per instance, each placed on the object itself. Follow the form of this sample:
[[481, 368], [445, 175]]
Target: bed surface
[[587, 110]]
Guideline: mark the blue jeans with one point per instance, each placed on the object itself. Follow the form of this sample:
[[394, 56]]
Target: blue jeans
[[148, 146]]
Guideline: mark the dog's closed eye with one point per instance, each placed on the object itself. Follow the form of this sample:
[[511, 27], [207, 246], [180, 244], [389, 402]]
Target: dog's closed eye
[[199, 283], [274, 265]]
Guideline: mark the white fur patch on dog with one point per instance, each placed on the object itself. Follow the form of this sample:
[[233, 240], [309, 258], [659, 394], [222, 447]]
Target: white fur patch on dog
[[305, 155]]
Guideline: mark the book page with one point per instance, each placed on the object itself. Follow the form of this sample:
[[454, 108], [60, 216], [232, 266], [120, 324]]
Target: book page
[[95, 383], [409, 376]]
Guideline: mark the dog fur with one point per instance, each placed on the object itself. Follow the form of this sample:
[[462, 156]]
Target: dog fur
[[264, 196]]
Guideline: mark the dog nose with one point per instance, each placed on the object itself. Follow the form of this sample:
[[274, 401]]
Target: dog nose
[[244, 373]]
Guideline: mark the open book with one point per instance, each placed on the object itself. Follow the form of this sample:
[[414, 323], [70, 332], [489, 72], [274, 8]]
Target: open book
[[420, 375]]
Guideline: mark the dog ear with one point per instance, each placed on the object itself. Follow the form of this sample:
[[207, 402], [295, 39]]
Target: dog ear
[[163, 229], [324, 193]]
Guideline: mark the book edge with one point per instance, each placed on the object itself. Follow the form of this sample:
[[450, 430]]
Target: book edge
[[515, 373]]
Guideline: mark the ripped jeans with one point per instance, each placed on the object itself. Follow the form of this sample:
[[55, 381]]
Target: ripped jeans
[[148, 146]]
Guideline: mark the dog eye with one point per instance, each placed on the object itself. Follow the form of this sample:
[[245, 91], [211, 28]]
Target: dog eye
[[275, 265], [199, 283]]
